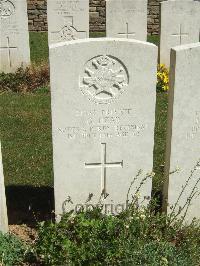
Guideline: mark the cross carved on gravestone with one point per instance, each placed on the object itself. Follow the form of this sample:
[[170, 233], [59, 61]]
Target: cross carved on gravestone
[[103, 165], [9, 49], [181, 34], [69, 32], [127, 33]]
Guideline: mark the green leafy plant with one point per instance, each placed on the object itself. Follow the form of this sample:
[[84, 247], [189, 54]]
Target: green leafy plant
[[133, 237], [137, 236], [12, 250]]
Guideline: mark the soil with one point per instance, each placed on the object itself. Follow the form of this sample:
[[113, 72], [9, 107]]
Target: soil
[[24, 232]]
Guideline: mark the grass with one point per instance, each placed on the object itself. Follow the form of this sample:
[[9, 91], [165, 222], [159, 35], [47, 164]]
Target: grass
[[39, 46], [153, 39], [25, 122], [160, 139]]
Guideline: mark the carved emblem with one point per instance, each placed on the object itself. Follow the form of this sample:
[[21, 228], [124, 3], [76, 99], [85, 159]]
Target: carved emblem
[[104, 79], [68, 33], [7, 8]]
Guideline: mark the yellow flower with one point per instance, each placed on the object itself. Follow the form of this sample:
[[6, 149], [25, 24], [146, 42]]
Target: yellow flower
[[163, 77]]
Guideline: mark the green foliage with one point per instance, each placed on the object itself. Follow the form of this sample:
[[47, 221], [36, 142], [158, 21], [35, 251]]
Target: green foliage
[[135, 237], [26, 79], [12, 250]]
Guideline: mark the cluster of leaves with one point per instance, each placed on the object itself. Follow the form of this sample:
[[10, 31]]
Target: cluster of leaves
[[135, 237], [26, 79], [162, 78], [12, 250]]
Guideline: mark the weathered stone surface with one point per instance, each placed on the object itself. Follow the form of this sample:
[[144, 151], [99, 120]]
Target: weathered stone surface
[[3, 209], [68, 20], [126, 19], [179, 25], [14, 42], [103, 108], [183, 140]]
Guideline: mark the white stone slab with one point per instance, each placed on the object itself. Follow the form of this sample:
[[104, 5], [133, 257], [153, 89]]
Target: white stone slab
[[126, 19], [103, 108], [184, 129], [3, 209], [67, 20], [179, 26], [14, 36]]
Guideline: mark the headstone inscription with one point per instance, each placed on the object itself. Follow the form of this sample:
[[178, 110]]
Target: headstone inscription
[[183, 141], [103, 111], [179, 25], [126, 19], [14, 36], [67, 20], [3, 209]]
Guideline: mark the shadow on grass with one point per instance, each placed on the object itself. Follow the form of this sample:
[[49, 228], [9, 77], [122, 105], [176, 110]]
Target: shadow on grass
[[29, 205]]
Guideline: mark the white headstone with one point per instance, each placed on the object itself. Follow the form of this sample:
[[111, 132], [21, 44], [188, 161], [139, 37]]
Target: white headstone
[[3, 209], [179, 26], [126, 19], [14, 36], [103, 108], [183, 148], [67, 20]]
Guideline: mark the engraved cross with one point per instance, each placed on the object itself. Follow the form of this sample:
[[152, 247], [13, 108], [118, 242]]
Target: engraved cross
[[181, 34], [103, 165], [9, 49], [127, 33]]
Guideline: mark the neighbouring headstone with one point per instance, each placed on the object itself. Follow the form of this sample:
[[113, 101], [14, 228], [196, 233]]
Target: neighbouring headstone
[[126, 19], [14, 36], [3, 209], [179, 25], [103, 111], [182, 187], [67, 20]]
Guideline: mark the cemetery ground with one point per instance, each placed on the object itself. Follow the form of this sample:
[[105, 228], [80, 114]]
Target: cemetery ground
[[90, 238]]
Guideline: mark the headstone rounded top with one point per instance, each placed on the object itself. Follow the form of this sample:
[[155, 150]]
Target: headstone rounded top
[[103, 40]]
